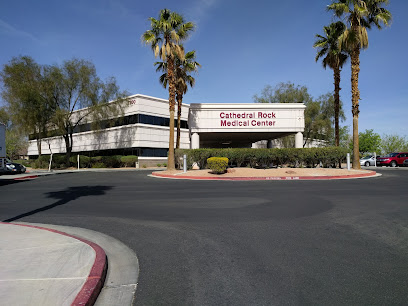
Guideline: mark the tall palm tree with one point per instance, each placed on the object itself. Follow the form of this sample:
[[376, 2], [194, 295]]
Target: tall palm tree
[[360, 16], [182, 68], [164, 37], [334, 57]]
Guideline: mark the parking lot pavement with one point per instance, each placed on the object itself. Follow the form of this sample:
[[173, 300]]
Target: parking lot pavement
[[239, 243]]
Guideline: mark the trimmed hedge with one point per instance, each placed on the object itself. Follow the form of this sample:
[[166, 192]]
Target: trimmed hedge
[[111, 161], [302, 157], [129, 160], [217, 164], [23, 162], [58, 161]]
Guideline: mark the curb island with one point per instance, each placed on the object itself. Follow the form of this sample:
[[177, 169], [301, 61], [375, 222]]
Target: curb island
[[180, 175]]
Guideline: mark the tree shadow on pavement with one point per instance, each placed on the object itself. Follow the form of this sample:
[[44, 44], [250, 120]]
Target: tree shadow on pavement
[[65, 196]]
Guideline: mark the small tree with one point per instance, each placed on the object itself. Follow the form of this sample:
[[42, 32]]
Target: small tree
[[369, 142], [331, 114], [319, 114], [73, 86], [16, 142], [393, 143], [25, 92]]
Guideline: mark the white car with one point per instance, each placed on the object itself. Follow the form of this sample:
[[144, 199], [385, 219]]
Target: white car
[[367, 161]]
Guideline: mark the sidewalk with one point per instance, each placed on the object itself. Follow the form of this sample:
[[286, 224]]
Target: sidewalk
[[34, 173], [42, 266]]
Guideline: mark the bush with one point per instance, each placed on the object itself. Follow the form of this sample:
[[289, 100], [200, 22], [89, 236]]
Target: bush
[[24, 162], [129, 160], [96, 159], [98, 165], [218, 164], [111, 161], [39, 164], [294, 157], [84, 161], [59, 161]]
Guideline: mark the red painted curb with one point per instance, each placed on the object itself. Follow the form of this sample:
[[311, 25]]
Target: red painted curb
[[96, 278], [25, 177], [266, 178]]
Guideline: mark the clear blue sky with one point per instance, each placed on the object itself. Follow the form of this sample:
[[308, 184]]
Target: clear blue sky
[[241, 45]]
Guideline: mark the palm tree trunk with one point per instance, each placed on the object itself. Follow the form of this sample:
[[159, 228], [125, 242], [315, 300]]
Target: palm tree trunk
[[336, 104], [172, 102], [179, 102], [355, 98]]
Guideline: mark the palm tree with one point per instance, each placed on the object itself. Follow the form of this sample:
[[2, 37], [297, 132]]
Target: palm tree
[[335, 58], [164, 37], [183, 79], [360, 16]]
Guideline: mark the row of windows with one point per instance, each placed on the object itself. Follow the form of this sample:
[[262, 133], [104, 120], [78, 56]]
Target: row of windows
[[148, 152], [126, 120]]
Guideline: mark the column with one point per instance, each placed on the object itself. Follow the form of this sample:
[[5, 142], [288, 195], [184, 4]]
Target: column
[[269, 144], [195, 141], [299, 140]]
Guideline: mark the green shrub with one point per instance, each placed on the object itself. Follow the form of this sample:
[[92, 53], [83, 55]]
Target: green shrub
[[179, 155], [44, 158], [24, 162], [129, 160], [59, 161], [159, 165], [95, 159], [112, 161], [39, 164], [217, 164], [293, 157], [84, 161], [98, 165]]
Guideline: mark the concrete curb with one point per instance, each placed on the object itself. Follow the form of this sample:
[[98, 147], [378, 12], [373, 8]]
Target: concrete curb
[[123, 265], [25, 178], [96, 278], [270, 178]]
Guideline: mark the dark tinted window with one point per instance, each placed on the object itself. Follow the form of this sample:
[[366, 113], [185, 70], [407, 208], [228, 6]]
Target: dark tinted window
[[131, 119]]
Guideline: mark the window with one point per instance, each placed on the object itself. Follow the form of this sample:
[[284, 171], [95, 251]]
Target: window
[[126, 120]]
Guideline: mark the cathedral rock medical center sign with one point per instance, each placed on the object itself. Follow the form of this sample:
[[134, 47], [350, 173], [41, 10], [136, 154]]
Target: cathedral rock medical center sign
[[276, 117], [247, 119]]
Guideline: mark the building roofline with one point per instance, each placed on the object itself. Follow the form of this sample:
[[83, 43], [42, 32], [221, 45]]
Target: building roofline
[[242, 106]]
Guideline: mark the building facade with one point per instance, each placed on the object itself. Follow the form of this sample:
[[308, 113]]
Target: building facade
[[143, 128]]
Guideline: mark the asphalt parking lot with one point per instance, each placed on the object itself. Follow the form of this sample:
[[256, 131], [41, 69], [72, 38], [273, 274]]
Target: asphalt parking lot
[[240, 243]]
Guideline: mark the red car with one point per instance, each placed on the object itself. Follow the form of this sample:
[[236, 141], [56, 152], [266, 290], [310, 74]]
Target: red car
[[392, 159]]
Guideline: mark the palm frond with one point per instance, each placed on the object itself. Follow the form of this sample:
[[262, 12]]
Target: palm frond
[[339, 8], [163, 80]]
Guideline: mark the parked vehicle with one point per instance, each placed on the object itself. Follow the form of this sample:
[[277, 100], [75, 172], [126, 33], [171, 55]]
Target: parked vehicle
[[367, 161], [14, 167], [405, 163], [392, 159]]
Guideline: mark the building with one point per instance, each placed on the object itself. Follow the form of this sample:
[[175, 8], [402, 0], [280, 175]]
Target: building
[[144, 128]]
